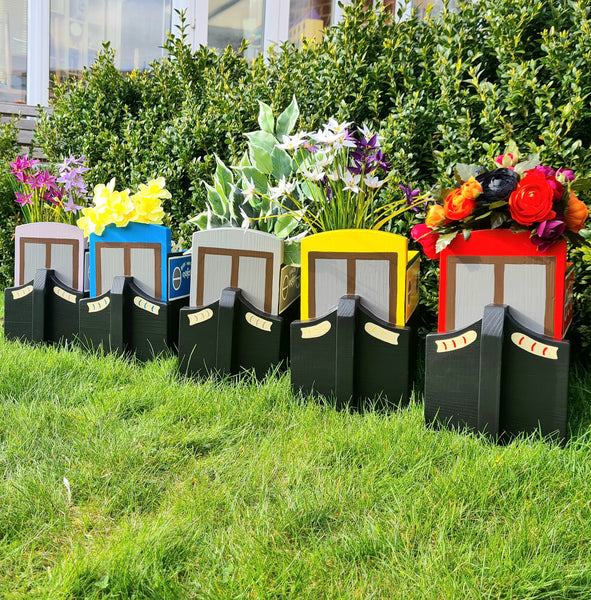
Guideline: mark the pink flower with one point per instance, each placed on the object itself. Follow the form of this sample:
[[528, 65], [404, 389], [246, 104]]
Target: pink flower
[[427, 238], [507, 161]]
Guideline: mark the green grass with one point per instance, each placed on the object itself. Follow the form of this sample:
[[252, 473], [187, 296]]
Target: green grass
[[244, 490]]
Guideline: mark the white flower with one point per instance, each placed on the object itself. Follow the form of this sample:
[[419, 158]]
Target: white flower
[[336, 127], [315, 175], [250, 190], [325, 160], [373, 182], [283, 189], [333, 175], [351, 182], [340, 141], [322, 136], [292, 142]]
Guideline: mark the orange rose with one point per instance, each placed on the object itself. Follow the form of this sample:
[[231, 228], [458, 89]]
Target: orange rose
[[435, 216], [457, 206], [471, 189], [576, 213]]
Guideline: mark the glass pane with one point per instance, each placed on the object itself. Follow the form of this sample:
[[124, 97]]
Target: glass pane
[[231, 21], [421, 6], [307, 19], [136, 29], [13, 50]]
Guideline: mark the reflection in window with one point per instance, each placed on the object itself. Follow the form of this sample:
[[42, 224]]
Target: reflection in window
[[13, 51], [136, 29], [307, 19], [231, 21]]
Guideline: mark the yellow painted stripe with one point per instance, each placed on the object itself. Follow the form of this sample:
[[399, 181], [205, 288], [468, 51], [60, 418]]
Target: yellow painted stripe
[[316, 331], [390, 337]]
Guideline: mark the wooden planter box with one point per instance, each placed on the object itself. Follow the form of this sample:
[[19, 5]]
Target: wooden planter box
[[242, 301], [137, 288], [50, 280], [359, 288], [501, 369]]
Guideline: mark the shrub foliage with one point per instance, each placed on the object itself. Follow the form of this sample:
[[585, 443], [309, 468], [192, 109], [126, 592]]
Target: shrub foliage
[[450, 88]]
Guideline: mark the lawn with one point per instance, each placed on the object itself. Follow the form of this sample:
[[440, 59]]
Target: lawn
[[123, 480]]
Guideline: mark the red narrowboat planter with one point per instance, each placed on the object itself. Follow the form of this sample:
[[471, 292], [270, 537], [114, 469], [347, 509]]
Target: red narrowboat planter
[[501, 267]]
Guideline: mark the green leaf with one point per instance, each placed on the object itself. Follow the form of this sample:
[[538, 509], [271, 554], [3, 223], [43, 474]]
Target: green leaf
[[444, 241], [244, 162], [532, 161], [292, 252], [215, 200], [253, 174], [266, 119], [581, 184], [224, 176], [287, 119], [511, 148], [261, 158], [497, 219], [282, 163], [262, 139], [463, 172], [200, 220], [284, 225], [102, 583]]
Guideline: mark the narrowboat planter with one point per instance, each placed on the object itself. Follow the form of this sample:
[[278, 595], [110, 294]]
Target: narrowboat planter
[[50, 280], [498, 363], [137, 288], [359, 288], [242, 302]]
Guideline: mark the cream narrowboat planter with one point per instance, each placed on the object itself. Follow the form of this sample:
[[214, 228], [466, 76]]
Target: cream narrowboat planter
[[50, 280], [243, 299]]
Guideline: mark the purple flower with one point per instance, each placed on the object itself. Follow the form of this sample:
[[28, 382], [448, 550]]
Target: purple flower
[[22, 163], [548, 171], [311, 148], [23, 199], [409, 193], [565, 175], [379, 162], [43, 179], [547, 233], [370, 144], [70, 205]]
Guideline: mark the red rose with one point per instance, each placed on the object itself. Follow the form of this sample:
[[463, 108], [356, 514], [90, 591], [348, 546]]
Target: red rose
[[427, 238], [531, 202], [458, 206]]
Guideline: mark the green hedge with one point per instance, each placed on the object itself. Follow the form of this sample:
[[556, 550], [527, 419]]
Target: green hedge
[[446, 89]]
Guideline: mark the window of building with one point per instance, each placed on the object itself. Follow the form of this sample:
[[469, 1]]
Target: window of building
[[231, 21], [13, 51], [78, 28]]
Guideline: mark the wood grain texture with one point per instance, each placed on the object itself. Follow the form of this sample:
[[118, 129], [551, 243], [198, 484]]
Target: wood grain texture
[[230, 336], [534, 393], [452, 369], [18, 312], [232, 257], [68, 266], [491, 361], [353, 356]]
